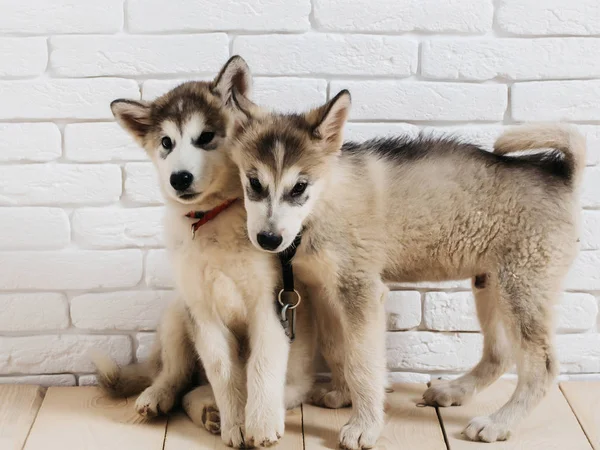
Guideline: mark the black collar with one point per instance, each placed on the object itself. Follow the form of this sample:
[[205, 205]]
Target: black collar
[[285, 258]]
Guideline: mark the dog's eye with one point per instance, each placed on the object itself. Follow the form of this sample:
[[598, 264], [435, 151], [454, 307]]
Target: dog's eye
[[255, 185], [167, 143], [205, 138], [298, 188]]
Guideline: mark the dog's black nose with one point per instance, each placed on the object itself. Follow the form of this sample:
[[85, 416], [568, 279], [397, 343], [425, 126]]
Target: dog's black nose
[[268, 240], [181, 181]]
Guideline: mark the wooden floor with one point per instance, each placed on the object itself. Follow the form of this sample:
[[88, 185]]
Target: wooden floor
[[78, 418]]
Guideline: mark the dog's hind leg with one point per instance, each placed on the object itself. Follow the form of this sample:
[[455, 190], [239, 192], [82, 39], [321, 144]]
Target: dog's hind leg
[[178, 359], [200, 406], [526, 302], [496, 350]]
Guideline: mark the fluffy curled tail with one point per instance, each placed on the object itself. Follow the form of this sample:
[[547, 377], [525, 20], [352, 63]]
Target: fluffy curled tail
[[559, 137], [122, 381]]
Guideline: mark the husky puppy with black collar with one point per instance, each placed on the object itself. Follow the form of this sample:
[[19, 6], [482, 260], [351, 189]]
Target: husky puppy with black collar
[[226, 312], [414, 210]]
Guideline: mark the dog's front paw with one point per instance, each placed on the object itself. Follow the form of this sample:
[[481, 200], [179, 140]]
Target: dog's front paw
[[446, 393], [359, 434], [485, 429], [154, 401], [233, 436], [327, 397], [265, 432]]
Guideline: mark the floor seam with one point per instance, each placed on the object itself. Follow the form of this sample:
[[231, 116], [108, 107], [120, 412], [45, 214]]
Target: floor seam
[[566, 397], [441, 422]]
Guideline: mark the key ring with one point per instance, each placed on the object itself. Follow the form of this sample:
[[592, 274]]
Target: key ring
[[289, 305]]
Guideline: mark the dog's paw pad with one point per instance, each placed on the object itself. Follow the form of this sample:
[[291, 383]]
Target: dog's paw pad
[[211, 419]]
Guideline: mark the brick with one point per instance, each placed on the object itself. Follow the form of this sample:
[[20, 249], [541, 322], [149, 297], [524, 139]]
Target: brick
[[87, 380], [152, 89], [583, 377], [40, 311], [512, 59], [69, 269], [590, 190], [289, 94], [142, 184], [592, 134], [450, 311], [434, 285], [126, 310], [531, 17], [579, 352], [150, 16], [99, 142], [403, 310], [455, 311], [64, 353], [281, 93], [37, 142], [590, 233], [408, 377], [421, 350], [363, 131], [576, 312], [41, 380], [145, 341], [61, 16], [42, 184], [63, 99], [34, 228], [338, 54], [467, 16], [23, 57], [159, 273], [81, 56], [556, 100], [584, 274], [118, 227], [483, 135], [394, 100]]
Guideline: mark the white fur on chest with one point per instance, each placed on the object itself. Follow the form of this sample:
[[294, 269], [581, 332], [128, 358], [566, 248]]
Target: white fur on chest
[[218, 272]]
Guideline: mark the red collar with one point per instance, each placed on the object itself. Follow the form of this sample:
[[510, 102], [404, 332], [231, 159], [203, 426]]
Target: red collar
[[206, 216]]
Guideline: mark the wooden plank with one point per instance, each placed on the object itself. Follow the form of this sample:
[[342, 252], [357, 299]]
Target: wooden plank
[[85, 418], [183, 434], [584, 398], [407, 425], [552, 425], [19, 405]]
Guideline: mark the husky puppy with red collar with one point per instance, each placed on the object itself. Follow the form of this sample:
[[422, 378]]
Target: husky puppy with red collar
[[226, 313]]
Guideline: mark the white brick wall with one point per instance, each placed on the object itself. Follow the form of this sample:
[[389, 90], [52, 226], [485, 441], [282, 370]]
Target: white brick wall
[[82, 264]]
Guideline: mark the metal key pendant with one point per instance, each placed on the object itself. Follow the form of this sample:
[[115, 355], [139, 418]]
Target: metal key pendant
[[283, 318], [292, 335]]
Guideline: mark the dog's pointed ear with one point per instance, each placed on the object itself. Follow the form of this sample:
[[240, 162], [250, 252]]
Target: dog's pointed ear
[[329, 120], [133, 116], [243, 105], [235, 74]]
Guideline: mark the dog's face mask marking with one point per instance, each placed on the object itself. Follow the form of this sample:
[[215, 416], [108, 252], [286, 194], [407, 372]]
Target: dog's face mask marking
[[283, 160], [188, 131]]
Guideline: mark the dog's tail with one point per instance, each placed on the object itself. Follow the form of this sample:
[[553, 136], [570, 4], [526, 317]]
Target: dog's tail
[[566, 158], [124, 381]]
